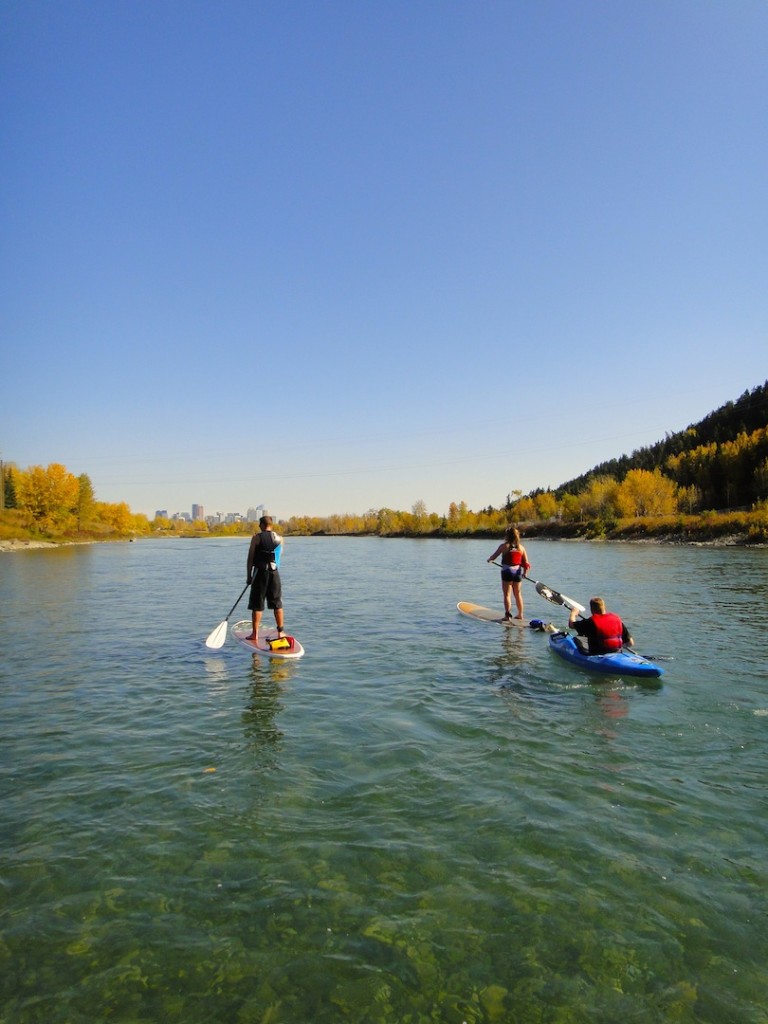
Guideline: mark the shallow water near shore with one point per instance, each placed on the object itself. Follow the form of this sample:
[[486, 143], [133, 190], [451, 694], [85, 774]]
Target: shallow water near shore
[[426, 818]]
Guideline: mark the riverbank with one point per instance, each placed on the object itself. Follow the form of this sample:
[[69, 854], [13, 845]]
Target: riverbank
[[677, 540], [709, 529], [28, 545]]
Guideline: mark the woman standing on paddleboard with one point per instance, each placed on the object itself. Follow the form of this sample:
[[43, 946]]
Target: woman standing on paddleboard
[[514, 565]]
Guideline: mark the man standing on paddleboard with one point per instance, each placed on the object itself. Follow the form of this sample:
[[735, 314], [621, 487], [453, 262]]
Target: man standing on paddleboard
[[264, 576]]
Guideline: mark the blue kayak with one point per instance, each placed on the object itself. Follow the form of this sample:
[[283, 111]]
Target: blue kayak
[[622, 663]]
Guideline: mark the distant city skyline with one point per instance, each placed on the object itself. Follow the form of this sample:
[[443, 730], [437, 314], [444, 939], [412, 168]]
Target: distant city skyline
[[197, 514]]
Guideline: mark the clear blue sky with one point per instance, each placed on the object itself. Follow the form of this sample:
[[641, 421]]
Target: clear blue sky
[[333, 256]]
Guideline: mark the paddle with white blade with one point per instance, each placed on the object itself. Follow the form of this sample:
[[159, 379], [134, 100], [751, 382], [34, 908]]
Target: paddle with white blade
[[556, 598], [553, 596], [217, 637]]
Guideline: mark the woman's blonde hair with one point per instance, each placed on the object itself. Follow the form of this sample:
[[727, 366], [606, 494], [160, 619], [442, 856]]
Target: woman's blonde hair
[[512, 536]]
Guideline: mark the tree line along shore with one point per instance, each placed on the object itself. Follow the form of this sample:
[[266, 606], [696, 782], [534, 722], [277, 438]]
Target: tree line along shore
[[736, 527], [705, 484]]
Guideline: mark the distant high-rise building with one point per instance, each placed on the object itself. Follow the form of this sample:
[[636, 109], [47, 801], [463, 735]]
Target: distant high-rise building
[[255, 514], [162, 513], [198, 512]]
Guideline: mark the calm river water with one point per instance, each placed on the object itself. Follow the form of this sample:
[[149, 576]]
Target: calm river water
[[426, 819]]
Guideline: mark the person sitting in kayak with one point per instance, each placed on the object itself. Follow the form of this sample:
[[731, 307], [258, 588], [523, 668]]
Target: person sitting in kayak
[[514, 566], [604, 631]]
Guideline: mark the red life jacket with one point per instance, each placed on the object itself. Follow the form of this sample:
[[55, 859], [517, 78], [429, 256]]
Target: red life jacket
[[514, 557], [608, 632]]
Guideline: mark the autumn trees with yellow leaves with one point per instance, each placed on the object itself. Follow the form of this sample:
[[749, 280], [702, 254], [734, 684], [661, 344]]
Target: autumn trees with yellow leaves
[[708, 479], [53, 502]]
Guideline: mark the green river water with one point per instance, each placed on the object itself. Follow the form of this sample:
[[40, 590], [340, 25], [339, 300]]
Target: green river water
[[426, 819]]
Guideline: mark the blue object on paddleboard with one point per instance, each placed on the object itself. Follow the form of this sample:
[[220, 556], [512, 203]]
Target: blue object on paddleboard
[[621, 663]]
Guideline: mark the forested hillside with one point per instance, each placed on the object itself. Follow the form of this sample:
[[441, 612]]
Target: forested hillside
[[724, 457]]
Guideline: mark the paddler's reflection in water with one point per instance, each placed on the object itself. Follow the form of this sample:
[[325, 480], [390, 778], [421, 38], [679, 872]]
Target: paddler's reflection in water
[[612, 705], [514, 672], [264, 704], [217, 672]]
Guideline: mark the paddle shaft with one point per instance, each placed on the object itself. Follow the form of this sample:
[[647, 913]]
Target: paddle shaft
[[237, 602], [648, 657], [507, 567]]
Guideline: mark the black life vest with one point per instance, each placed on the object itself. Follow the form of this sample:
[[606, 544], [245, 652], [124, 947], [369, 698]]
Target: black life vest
[[264, 550]]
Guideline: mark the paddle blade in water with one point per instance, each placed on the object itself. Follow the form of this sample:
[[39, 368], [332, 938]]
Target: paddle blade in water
[[218, 636]]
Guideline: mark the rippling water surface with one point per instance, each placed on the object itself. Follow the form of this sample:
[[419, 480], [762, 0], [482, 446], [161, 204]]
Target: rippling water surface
[[425, 819]]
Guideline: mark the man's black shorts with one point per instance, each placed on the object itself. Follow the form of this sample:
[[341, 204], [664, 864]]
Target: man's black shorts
[[266, 586]]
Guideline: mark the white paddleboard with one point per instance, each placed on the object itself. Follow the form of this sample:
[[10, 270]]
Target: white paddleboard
[[477, 611], [242, 629]]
